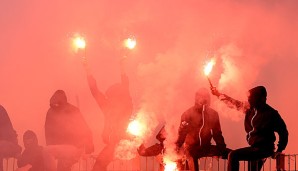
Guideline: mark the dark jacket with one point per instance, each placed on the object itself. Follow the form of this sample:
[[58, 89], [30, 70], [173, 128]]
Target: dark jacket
[[34, 157], [260, 126], [116, 105], [198, 127], [7, 132], [65, 124]]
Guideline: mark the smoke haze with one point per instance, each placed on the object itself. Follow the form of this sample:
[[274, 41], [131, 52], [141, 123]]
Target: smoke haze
[[254, 43]]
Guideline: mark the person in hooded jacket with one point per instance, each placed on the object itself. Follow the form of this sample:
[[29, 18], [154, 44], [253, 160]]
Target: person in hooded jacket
[[261, 122], [8, 138], [34, 157], [198, 125], [116, 106], [66, 131]]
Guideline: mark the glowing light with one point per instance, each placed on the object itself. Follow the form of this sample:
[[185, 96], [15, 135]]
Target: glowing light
[[208, 67], [136, 128], [170, 165], [130, 43], [79, 42]]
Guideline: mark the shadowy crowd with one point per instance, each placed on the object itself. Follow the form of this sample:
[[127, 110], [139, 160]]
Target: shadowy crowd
[[69, 138]]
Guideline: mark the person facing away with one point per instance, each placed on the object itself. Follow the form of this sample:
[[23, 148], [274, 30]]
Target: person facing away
[[8, 138], [198, 125], [66, 131], [261, 122], [116, 106]]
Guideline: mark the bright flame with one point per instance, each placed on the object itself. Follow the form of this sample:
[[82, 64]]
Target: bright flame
[[136, 128], [208, 67], [130, 43], [170, 165], [79, 42]]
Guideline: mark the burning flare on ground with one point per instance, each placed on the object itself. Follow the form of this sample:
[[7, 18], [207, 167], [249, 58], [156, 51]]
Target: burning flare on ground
[[130, 43], [169, 165]]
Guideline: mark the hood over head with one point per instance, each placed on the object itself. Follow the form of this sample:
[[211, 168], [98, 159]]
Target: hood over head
[[202, 97], [30, 139], [257, 96], [58, 99]]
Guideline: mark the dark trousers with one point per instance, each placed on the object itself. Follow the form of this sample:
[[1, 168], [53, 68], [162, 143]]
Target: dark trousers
[[254, 155]]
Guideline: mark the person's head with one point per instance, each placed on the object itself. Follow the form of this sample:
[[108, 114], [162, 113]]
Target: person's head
[[58, 99], [257, 96], [202, 97], [30, 139]]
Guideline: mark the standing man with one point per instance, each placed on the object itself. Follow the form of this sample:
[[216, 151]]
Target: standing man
[[67, 133], [261, 122], [8, 138], [199, 124], [116, 105]]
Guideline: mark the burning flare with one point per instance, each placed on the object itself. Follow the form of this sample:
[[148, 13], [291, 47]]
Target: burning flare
[[208, 67], [79, 42], [130, 43], [136, 128], [170, 165]]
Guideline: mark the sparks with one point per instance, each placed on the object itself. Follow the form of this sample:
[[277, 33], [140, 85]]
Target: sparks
[[208, 67], [130, 43]]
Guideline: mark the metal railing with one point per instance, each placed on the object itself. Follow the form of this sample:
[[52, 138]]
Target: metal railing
[[287, 162]]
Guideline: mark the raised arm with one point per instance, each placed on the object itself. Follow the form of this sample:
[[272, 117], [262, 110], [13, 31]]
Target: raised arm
[[124, 78], [229, 101], [96, 93]]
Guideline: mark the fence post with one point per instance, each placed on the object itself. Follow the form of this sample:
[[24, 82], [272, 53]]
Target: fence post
[[280, 162]]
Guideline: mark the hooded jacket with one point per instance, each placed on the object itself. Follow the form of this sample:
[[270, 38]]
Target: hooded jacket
[[261, 121], [7, 132], [199, 126], [260, 125], [65, 124]]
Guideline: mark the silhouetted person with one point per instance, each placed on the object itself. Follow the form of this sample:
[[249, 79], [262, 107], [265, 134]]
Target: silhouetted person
[[199, 124], [261, 122], [116, 106], [34, 156], [8, 138], [66, 131]]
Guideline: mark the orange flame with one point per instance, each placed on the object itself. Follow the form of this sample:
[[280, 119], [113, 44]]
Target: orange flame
[[170, 165], [130, 43], [136, 128], [208, 67], [79, 42]]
